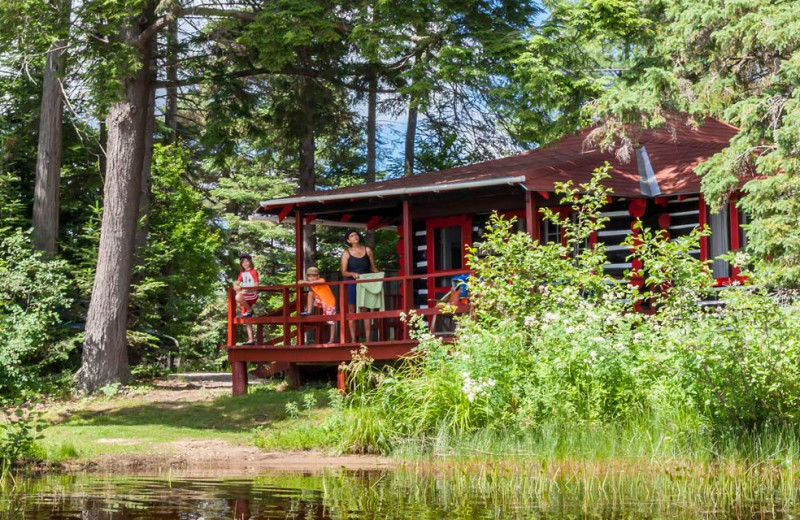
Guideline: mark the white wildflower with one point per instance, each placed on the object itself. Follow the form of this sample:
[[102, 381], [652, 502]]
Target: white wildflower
[[472, 388], [550, 317], [530, 321]]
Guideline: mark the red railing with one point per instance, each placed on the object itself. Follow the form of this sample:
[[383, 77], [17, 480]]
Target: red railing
[[283, 326]]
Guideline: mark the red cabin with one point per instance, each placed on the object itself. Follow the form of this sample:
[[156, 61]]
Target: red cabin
[[437, 214]]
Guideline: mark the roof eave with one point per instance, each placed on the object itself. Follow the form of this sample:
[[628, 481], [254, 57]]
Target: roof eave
[[321, 197]]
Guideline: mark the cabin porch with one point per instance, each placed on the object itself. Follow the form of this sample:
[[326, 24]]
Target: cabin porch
[[285, 339]]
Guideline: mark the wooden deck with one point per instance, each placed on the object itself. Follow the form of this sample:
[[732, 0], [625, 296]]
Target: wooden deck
[[284, 337], [292, 356]]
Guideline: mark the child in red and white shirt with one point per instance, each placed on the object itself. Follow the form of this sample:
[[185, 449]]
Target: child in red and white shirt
[[248, 277]]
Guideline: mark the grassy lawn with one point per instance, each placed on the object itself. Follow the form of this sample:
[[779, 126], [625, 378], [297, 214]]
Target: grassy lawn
[[146, 420]]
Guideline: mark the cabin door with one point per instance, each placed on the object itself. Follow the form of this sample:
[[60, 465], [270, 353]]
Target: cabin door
[[447, 239]]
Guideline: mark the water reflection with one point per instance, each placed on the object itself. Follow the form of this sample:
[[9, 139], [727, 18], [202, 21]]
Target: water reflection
[[111, 498], [366, 495]]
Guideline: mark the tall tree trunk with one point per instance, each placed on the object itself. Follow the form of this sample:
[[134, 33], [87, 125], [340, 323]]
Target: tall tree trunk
[[146, 188], [105, 357], [372, 130], [306, 178], [372, 125], [145, 192], [48, 157], [103, 158], [411, 124], [411, 135], [171, 108]]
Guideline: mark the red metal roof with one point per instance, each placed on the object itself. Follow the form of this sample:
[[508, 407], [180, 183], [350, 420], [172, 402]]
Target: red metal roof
[[673, 153]]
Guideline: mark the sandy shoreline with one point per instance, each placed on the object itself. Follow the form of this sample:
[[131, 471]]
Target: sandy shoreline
[[222, 458], [189, 455]]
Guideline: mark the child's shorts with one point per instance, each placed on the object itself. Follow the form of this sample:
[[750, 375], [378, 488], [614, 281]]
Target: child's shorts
[[327, 310]]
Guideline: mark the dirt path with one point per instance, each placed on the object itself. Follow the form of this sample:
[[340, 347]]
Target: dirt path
[[193, 456]]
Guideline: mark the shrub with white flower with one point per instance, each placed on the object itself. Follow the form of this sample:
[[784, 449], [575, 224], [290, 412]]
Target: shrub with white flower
[[474, 388]]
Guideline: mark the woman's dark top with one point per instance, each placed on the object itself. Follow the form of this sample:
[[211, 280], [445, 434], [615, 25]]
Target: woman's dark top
[[358, 265]]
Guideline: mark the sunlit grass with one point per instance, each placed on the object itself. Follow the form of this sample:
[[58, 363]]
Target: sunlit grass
[[135, 424]]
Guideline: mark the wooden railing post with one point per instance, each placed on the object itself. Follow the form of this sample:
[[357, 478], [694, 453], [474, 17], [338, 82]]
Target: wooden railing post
[[408, 303], [301, 328], [231, 316], [287, 333], [343, 313]]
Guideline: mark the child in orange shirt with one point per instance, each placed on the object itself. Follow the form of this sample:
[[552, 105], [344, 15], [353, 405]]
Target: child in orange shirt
[[321, 296]]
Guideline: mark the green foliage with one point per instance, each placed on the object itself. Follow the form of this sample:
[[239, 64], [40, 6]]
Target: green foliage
[[300, 429], [671, 279], [111, 390], [180, 274], [736, 61], [104, 26], [773, 235], [740, 366], [551, 341], [292, 410], [33, 295], [300, 436], [11, 207], [19, 431]]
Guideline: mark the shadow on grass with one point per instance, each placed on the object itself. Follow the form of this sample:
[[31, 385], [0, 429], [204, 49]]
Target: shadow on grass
[[260, 407]]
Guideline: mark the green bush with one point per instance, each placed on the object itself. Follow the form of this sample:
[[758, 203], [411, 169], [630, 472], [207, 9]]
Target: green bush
[[33, 294], [551, 340], [18, 435], [740, 366]]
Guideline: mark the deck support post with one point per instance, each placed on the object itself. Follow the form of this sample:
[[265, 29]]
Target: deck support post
[[293, 375], [531, 216], [239, 369], [241, 509], [341, 380]]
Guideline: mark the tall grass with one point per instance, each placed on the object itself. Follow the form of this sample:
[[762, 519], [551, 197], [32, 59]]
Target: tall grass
[[497, 490]]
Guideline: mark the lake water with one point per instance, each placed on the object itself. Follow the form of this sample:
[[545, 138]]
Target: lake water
[[382, 495]]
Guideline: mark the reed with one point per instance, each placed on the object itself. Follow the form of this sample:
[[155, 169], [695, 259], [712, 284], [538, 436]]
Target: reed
[[492, 489]]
